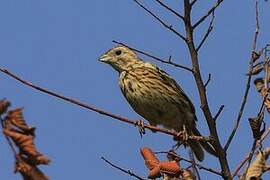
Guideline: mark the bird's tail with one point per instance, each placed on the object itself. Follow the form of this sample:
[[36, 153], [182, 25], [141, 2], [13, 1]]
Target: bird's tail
[[196, 149], [207, 146]]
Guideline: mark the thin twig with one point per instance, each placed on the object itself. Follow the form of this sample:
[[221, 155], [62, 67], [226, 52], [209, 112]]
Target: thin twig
[[123, 170], [244, 100], [218, 113], [209, 30], [189, 161], [169, 27], [193, 164], [208, 80], [193, 2], [170, 9], [210, 11], [243, 162], [169, 61]]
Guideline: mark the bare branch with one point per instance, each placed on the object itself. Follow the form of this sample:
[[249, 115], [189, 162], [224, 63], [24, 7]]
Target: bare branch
[[244, 100], [169, 27], [169, 61], [218, 113], [209, 30], [170, 9], [202, 92], [123, 170], [208, 80], [210, 11], [193, 2]]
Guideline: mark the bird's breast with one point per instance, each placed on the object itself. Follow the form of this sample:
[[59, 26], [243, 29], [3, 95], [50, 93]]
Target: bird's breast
[[151, 102]]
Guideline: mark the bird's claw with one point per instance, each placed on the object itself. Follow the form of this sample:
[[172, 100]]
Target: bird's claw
[[140, 125], [182, 135]]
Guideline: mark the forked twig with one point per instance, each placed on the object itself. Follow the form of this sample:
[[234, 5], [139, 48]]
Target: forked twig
[[193, 2], [169, 27], [170, 9], [210, 11], [209, 30]]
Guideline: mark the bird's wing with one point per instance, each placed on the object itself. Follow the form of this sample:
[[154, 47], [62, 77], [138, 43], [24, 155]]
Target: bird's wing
[[167, 79]]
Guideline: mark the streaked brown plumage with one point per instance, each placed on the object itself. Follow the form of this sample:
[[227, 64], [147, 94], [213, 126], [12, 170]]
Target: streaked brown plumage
[[154, 95]]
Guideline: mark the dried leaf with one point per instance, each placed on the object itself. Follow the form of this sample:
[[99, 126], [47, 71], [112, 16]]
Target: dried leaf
[[4, 104], [259, 84], [188, 175], [15, 117], [256, 55], [268, 73], [29, 171], [258, 166], [171, 168], [154, 173], [26, 145], [257, 69], [255, 124], [151, 160], [264, 93]]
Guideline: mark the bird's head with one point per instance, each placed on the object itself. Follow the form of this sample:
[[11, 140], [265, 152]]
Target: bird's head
[[120, 58]]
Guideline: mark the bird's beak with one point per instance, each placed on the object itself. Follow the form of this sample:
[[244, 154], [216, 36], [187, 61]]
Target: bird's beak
[[104, 58]]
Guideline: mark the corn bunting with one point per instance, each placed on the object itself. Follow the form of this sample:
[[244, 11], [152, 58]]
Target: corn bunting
[[154, 95]]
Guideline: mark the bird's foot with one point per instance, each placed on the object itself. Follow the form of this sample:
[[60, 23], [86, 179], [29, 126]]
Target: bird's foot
[[182, 135], [141, 128]]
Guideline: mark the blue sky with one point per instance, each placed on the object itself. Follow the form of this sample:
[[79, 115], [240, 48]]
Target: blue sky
[[56, 44]]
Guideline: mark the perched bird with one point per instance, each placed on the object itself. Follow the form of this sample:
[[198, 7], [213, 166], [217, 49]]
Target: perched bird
[[155, 96]]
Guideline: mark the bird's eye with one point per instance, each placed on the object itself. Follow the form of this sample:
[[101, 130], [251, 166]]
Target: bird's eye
[[118, 52]]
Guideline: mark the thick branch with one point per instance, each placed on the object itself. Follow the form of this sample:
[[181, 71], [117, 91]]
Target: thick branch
[[251, 61], [202, 92], [169, 61], [169, 27]]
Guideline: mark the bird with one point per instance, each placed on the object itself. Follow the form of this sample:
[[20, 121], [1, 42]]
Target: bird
[[155, 95]]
